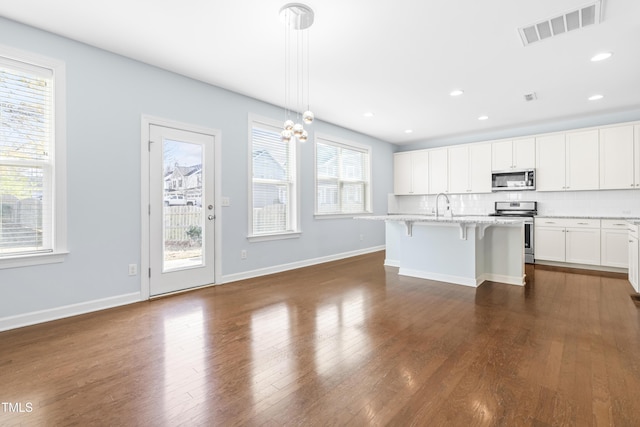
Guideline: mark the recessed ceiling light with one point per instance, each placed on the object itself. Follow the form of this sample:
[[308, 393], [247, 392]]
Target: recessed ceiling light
[[595, 97], [456, 92], [483, 117], [368, 114], [601, 56], [408, 131]]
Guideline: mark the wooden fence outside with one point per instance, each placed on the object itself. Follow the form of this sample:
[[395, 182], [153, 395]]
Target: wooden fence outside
[[178, 220], [271, 218]]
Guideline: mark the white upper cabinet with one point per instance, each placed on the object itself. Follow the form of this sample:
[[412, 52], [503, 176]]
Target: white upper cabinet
[[582, 168], [480, 165], [459, 173], [502, 157], [524, 153], [410, 172], [470, 168], [617, 158], [550, 163], [516, 154], [438, 171], [567, 162], [420, 168], [591, 159], [402, 175]]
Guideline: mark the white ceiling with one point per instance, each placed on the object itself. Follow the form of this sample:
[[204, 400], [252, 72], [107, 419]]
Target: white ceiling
[[396, 58]]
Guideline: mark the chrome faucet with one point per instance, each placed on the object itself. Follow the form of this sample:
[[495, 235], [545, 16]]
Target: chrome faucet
[[448, 212]]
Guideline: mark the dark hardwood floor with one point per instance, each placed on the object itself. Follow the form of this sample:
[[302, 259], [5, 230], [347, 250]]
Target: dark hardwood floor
[[343, 343]]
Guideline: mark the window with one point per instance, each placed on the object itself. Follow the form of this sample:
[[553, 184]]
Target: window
[[32, 160], [273, 192], [342, 177]]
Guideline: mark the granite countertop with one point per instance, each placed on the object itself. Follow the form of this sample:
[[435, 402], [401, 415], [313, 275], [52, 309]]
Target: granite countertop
[[463, 219], [623, 218]]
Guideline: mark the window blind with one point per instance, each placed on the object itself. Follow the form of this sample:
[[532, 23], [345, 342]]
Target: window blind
[[26, 160], [342, 178], [273, 179]]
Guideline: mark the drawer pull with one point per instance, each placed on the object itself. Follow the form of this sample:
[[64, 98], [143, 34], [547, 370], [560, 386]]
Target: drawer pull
[[620, 224], [583, 223]]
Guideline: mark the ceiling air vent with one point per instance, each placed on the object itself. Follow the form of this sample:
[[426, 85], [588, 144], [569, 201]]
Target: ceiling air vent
[[584, 16], [530, 96]]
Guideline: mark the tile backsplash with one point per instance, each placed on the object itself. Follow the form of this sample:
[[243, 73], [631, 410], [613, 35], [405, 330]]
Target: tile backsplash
[[614, 203]]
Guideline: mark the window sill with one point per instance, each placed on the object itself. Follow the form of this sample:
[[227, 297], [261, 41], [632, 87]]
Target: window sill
[[32, 259], [341, 215], [279, 236]]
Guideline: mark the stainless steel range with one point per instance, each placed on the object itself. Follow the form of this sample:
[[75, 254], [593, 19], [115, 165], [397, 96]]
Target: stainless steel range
[[526, 211]]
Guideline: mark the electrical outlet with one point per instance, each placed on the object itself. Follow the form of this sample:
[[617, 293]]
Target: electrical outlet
[[243, 254], [361, 237], [133, 269]]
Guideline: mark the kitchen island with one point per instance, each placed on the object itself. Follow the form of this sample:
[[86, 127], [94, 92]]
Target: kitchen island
[[465, 250]]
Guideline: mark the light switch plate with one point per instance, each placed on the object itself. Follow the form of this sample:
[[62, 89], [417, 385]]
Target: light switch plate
[[226, 201]]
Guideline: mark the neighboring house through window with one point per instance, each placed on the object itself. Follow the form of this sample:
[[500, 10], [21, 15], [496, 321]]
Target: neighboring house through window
[[342, 177], [273, 209], [32, 159]]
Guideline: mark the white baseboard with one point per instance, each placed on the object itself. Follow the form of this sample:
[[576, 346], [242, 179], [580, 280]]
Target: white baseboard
[[298, 264], [460, 280], [457, 280], [583, 266], [391, 262], [27, 319], [510, 280]]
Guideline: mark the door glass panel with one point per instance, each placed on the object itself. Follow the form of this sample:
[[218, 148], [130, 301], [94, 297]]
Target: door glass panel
[[183, 217]]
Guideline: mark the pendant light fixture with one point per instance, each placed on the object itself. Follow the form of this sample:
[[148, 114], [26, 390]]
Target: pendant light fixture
[[297, 18]]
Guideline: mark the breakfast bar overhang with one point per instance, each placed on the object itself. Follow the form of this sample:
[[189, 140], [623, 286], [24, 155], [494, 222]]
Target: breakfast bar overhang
[[461, 250]]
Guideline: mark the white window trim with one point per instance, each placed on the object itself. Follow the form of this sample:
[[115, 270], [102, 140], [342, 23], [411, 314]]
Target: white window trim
[[59, 160], [295, 194], [349, 145]]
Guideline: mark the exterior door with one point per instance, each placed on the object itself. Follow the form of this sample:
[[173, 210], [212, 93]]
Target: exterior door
[[181, 209]]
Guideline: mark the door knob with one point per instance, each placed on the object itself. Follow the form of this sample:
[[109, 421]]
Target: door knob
[[211, 217]]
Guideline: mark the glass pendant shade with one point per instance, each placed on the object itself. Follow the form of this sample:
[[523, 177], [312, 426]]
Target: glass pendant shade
[[304, 136], [286, 135], [298, 129], [288, 125], [307, 117]]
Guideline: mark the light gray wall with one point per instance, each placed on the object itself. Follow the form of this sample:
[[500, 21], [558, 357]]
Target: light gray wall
[[106, 96]]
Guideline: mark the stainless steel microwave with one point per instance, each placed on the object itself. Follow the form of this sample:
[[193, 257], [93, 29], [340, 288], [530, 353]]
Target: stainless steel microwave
[[513, 180]]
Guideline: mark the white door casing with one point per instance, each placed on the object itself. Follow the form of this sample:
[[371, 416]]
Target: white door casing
[[165, 269]]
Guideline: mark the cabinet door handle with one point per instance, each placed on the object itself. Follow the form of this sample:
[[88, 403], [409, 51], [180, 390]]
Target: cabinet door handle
[[583, 223], [619, 224]]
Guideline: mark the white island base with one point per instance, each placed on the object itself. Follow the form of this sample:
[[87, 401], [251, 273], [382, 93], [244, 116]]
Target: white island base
[[460, 252]]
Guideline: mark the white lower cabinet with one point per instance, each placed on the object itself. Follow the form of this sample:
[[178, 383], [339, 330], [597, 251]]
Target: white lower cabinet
[[583, 245], [614, 247], [570, 240], [549, 242], [634, 257]]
